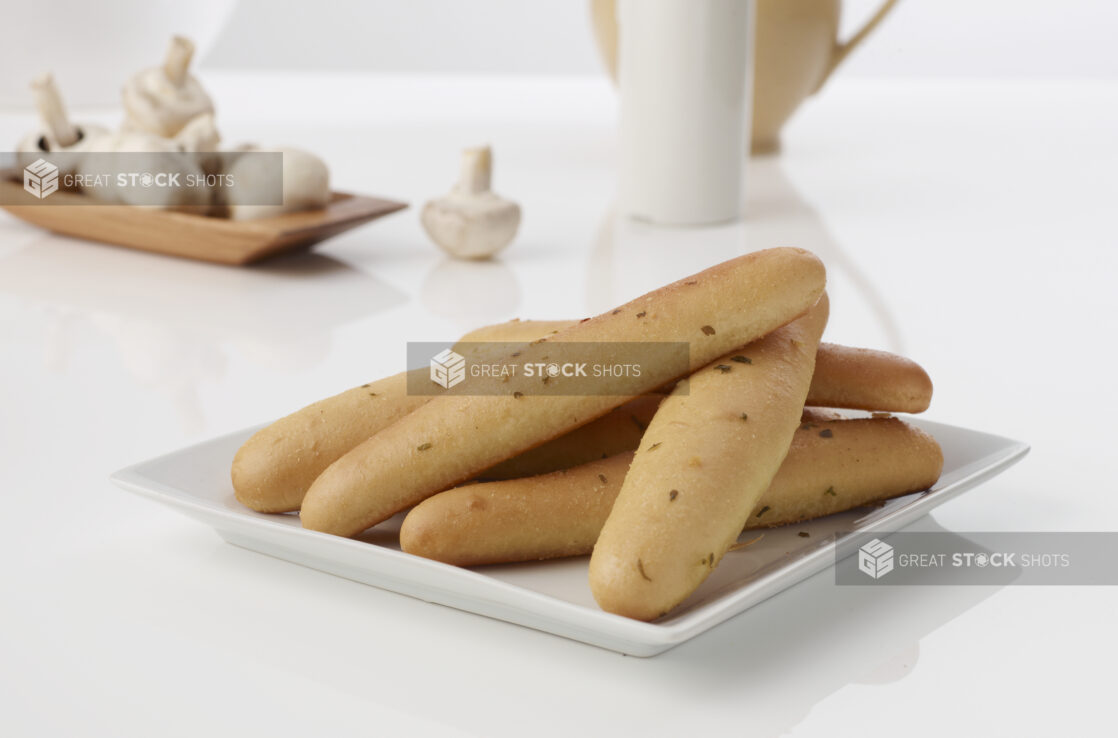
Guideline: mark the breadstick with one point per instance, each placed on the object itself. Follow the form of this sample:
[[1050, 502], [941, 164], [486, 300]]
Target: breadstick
[[851, 378], [273, 470], [455, 436], [701, 467], [862, 460], [846, 377], [516, 330], [864, 379], [617, 431], [847, 462]]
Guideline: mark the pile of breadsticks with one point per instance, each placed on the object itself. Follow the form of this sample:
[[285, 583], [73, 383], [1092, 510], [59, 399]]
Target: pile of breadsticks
[[656, 482]]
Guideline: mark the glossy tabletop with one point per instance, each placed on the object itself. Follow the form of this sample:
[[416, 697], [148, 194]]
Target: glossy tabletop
[[968, 225]]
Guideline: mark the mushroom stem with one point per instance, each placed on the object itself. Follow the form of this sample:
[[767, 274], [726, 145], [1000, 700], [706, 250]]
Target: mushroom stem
[[178, 59], [477, 168], [59, 129]]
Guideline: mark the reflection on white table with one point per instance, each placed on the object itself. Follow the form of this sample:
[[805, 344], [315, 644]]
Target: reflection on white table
[[967, 224]]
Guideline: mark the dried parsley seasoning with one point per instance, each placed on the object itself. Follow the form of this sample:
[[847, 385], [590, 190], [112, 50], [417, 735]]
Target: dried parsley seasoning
[[831, 491], [517, 395], [710, 558], [763, 510], [367, 384], [672, 495], [372, 394], [745, 416], [640, 568], [692, 281], [423, 446], [826, 433], [654, 446], [803, 534], [723, 368], [741, 359], [603, 478], [642, 313], [615, 312], [808, 426], [637, 422], [708, 330]]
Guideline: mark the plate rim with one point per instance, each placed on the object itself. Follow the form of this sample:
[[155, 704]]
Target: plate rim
[[641, 638]]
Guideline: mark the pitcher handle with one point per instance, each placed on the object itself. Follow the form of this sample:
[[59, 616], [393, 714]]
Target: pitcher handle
[[842, 50]]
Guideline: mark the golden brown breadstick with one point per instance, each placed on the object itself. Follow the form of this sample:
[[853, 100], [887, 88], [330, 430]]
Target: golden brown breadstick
[[274, 468], [865, 379], [514, 331], [617, 431], [846, 377], [701, 467], [842, 463], [851, 378], [455, 436], [861, 460], [272, 471]]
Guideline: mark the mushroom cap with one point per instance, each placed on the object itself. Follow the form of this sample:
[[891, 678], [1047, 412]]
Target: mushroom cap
[[155, 104], [143, 152], [306, 184], [34, 141], [199, 135], [471, 226], [31, 147]]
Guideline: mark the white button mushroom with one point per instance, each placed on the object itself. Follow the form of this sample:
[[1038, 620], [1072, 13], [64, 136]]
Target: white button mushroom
[[58, 133], [200, 137], [162, 100], [157, 173], [472, 222], [306, 184]]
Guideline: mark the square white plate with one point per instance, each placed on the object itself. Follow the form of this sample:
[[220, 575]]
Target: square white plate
[[553, 596]]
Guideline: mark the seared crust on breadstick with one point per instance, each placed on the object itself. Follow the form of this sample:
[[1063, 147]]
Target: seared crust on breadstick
[[863, 460], [455, 436], [711, 451], [865, 379], [273, 470]]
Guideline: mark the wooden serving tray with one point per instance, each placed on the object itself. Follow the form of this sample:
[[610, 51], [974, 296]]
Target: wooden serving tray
[[196, 236]]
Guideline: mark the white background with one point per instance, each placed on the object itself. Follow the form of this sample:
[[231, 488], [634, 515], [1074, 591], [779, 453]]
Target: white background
[[92, 55], [921, 38]]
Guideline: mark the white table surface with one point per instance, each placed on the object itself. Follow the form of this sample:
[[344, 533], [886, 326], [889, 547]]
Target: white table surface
[[970, 226]]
